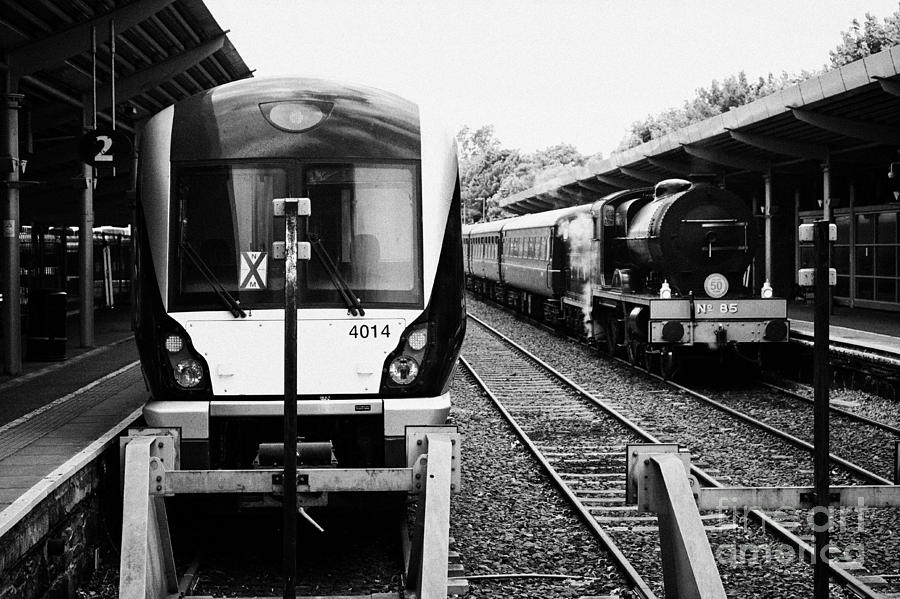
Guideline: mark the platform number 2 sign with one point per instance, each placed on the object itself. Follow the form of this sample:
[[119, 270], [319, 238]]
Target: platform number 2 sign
[[104, 148], [102, 155]]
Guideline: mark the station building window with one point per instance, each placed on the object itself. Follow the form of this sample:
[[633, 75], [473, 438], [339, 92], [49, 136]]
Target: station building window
[[866, 255]]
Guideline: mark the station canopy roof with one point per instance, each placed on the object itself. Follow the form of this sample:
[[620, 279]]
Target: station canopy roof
[[849, 115], [165, 51]]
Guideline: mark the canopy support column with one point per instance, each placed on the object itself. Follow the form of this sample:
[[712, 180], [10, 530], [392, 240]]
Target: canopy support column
[[767, 216], [86, 247], [10, 286]]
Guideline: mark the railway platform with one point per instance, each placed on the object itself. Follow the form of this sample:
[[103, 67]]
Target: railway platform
[[54, 410], [59, 428], [865, 331]]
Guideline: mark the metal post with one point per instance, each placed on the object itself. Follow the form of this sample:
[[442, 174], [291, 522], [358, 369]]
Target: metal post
[[768, 225], [10, 289], [897, 462], [796, 228], [63, 255], [86, 258], [852, 230], [821, 376], [826, 190], [290, 400]]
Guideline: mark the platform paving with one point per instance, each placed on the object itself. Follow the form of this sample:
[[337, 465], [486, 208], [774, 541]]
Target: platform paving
[[52, 415], [865, 329], [33, 447]]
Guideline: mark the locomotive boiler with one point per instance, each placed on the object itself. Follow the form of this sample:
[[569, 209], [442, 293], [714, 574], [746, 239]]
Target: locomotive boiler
[[685, 233]]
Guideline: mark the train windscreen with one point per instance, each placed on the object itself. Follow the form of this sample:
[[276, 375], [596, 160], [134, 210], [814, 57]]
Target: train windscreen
[[364, 221]]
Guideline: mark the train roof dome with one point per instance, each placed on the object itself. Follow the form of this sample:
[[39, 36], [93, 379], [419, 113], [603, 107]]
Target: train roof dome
[[230, 122]]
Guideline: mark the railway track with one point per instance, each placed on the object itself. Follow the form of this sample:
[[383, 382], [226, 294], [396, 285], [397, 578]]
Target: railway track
[[591, 476], [788, 471], [861, 445]]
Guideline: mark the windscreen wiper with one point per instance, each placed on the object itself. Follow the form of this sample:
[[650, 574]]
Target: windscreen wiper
[[348, 295], [234, 306]]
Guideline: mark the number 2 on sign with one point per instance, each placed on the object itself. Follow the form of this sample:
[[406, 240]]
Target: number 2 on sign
[[102, 155], [365, 331]]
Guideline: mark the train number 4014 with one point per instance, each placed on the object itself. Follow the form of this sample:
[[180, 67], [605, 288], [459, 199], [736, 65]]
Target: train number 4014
[[366, 331]]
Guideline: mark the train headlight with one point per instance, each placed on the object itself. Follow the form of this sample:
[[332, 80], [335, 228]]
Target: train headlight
[[188, 373], [418, 339], [174, 344], [295, 116], [403, 370]]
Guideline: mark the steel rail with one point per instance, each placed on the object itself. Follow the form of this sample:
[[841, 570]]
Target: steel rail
[[635, 579], [769, 524], [845, 413], [859, 471]]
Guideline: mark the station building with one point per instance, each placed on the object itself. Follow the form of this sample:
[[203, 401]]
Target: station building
[[826, 148], [72, 72]]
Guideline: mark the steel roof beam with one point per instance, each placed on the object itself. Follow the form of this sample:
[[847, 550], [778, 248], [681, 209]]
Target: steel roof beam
[[616, 182], [564, 193], [144, 80], [177, 43], [64, 97], [547, 199], [727, 159], [529, 205], [592, 187], [673, 166], [869, 131], [639, 175], [780, 145], [55, 49], [138, 83]]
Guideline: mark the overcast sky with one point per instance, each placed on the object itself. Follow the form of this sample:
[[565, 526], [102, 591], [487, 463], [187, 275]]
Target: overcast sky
[[542, 72]]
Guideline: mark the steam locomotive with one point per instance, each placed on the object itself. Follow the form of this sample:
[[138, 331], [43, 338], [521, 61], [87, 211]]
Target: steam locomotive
[[653, 273]]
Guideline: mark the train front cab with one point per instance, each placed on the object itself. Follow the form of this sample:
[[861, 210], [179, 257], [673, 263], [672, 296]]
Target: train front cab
[[389, 223]]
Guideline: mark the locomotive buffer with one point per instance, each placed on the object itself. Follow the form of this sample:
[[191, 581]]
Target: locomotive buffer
[[152, 472]]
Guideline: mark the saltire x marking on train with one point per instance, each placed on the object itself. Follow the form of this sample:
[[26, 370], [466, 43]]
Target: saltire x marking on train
[[253, 270]]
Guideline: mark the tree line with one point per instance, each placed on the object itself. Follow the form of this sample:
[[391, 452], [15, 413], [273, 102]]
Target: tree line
[[490, 172]]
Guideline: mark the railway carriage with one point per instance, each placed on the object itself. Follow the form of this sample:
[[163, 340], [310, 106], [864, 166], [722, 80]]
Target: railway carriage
[[652, 272], [482, 252], [381, 308]]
